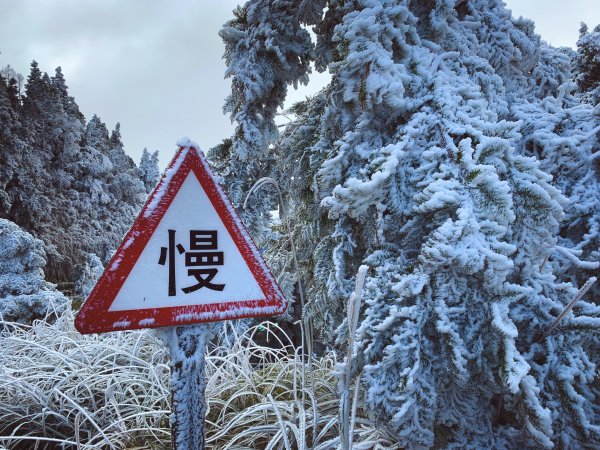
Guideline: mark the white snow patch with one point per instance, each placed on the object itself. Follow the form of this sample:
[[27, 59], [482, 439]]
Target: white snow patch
[[186, 142], [224, 315], [146, 322], [115, 265]]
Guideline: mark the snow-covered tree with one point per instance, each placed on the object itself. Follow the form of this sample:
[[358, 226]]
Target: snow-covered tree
[[563, 135], [24, 294], [562, 132], [148, 168], [8, 116], [412, 161], [587, 64], [88, 275], [36, 90], [59, 85], [9, 147], [14, 83], [67, 182]]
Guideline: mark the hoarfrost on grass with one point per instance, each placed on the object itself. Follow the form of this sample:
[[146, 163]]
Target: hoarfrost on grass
[[60, 387]]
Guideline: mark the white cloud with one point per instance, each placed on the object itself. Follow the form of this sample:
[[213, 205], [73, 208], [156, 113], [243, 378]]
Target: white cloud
[[558, 21]]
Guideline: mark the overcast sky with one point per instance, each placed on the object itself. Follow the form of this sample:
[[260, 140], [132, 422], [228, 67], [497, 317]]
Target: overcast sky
[[156, 66]]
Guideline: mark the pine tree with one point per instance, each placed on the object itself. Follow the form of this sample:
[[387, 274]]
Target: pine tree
[[36, 91], [14, 81], [12, 91], [68, 102], [587, 64], [8, 115], [411, 161], [88, 275], [148, 168], [24, 295], [9, 146], [96, 134], [116, 153]]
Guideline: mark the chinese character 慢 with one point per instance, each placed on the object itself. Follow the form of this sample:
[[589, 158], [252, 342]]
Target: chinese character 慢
[[200, 260]]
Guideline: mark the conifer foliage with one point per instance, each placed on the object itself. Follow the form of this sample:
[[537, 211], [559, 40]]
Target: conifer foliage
[[89, 274], [430, 157], [66, 181], [587, 63], [149, 171], [24, 294], [266, 49]]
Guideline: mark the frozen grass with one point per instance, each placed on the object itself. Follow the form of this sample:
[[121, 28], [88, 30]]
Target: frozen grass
[[61, 389]]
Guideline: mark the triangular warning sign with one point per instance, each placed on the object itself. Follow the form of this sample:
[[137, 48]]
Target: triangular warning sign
[[187, 259]]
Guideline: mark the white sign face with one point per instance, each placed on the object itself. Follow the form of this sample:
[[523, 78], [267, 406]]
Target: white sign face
[[187, 259], [208, 267]]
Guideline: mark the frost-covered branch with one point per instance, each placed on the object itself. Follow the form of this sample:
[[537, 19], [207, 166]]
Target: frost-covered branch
[[582, 291]]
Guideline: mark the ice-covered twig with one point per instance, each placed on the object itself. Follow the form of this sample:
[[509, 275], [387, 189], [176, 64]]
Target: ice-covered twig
[[346, 425], [353, 418], [588, 284], [573, 256], [86, 415], [268, 180], [281, 423]]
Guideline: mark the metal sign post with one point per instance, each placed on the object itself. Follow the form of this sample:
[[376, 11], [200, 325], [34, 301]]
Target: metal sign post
[[187, 346]]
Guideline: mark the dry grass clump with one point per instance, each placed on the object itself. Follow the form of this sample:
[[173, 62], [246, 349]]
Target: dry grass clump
[[60, 389]]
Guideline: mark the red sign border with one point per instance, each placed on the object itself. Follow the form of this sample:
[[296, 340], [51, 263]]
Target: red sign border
[[95, 317]]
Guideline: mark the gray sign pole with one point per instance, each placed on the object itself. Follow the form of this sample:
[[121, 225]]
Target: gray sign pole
[[187, 346]]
